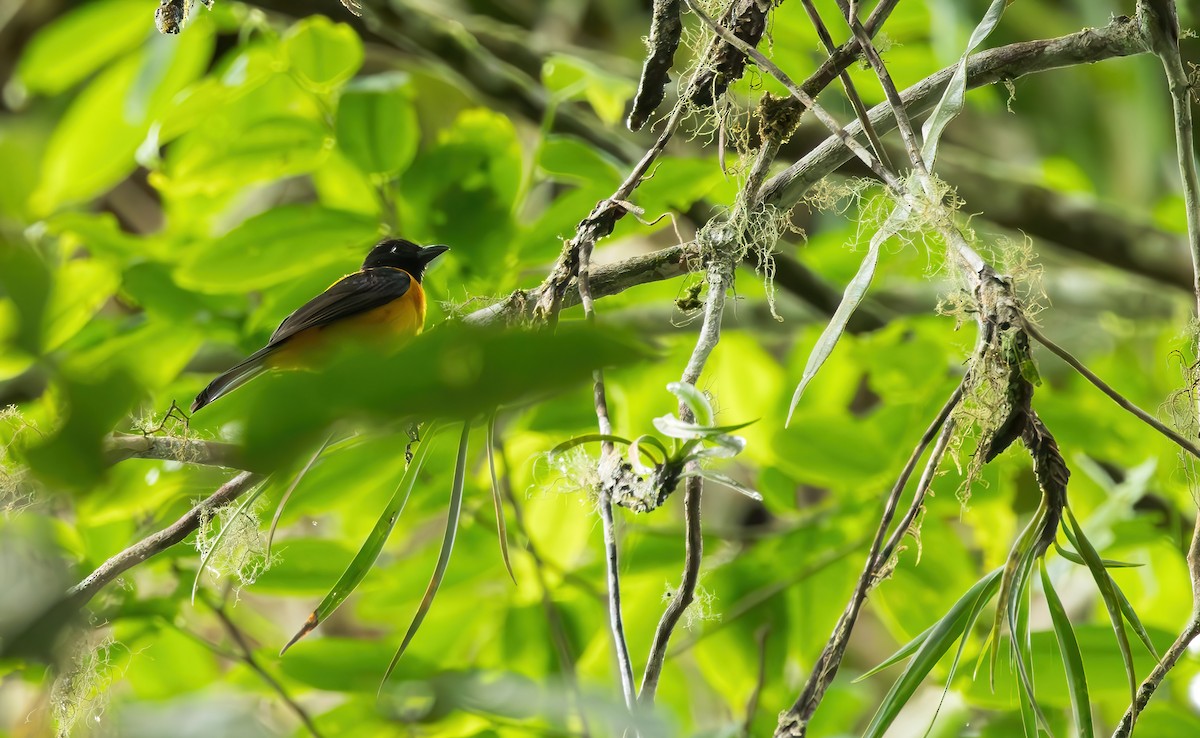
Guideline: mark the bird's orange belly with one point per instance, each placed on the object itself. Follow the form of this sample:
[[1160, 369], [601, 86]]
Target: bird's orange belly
[[387, 327]]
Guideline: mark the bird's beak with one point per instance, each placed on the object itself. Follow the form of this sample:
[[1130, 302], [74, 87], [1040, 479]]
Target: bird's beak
[[429, 253]]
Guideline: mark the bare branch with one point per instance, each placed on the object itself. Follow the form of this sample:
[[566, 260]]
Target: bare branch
[[666, 28], [154, 544], [121, 446]]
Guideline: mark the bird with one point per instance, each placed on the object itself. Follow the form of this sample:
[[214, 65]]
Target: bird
[[381, 301]]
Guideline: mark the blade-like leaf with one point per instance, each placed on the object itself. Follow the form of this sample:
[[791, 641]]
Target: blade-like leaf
[[1018, 628], [724, 446], [287, 495], [728, 481], [1112, 603], [1134, 621], [951, 102], [439, 571], [216, 542], [933, 644], [695, 400], [673, 427], [571, 443], [851, 298], [497, 500], [1072, 658], [369, 551], [1075, 558]]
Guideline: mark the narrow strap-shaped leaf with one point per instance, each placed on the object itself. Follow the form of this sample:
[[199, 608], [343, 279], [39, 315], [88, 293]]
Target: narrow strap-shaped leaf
[[1072, 658], [952, 100], [439, 571], [726, 480], [1134, 621], [851, 299], [1075, 558], [571, 443], [369, 551], [932, 645], [216, 542], [1018, 628], [1112, 603], [695, 400], [673, 427], [497, 499], [1011, 566], [287, 495]]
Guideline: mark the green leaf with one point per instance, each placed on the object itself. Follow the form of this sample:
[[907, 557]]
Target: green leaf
[[323, 54], [1108, 593], [93, 146], [439, 571], [951, 102], [497, 498], [377, 125], [1072, 657], [81, 287], [568, 159], [928, 648], [1075, 558], [276, 246], [571, 443], [851, 299], [216, 162], [73, 456], [726, 480], [673, 427], [694, 399], [369, 551], [81, 42], [27, 282], [571, 78]]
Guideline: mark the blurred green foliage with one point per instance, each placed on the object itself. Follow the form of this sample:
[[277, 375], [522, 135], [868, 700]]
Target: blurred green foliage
[[166, 201]]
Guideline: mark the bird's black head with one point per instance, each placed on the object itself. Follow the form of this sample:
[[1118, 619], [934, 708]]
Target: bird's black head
[[401, 254]]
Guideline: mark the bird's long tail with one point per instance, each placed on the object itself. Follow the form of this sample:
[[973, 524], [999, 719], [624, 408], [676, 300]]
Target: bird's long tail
[[235, 377]]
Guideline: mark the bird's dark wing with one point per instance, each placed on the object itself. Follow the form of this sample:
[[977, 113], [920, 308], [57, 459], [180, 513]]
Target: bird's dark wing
[[353, 294]]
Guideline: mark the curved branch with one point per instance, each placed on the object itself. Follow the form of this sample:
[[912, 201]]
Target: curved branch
[[156, 543]]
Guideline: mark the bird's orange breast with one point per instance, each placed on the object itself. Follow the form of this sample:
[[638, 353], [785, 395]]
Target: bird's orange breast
[[387, 326]]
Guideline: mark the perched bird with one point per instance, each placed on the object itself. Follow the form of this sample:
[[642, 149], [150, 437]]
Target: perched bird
[[382, 301]]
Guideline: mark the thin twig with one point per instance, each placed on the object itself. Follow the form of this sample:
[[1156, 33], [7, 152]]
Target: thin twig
[[760, 680], [81, 593], [1115, 396], [794, 721], [1159, 23], [246, 656], [860, 110]]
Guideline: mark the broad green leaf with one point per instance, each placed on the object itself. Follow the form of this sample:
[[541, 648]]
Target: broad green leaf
[[80, 43], [927, 649], [27, 282], [365, 558], [951, 102], [276, 246], [216, 162], [324, 54], [377, 125], [73, 456], [93, 146], [570, 77], [81, 287], [569, 159], [439, 571], [1072, 657]]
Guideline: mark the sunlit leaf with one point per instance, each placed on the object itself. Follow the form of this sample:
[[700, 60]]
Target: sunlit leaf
[[323, 53], [1072, 658]]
